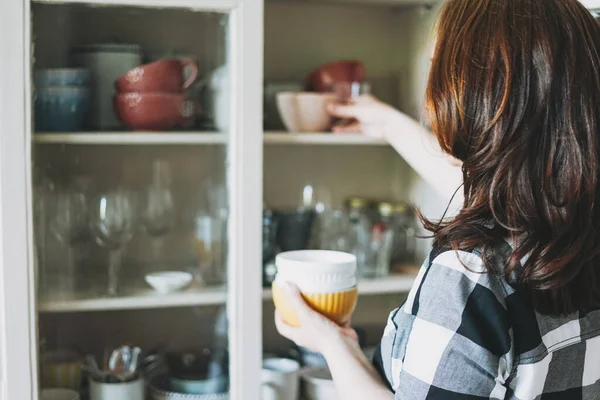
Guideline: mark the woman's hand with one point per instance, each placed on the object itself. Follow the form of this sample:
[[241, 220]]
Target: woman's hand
[[315, 332], [365, 115]]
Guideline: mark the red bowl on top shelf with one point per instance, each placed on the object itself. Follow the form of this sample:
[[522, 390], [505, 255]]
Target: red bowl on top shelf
[[154, 111], [323, 77]]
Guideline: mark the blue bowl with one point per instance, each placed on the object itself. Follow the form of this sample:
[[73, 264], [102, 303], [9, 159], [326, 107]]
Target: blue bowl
[[60, 109], [46, 78]]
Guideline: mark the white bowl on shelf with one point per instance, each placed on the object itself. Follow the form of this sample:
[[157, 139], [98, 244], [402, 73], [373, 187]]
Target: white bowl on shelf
[[305, 112], [169, 281]]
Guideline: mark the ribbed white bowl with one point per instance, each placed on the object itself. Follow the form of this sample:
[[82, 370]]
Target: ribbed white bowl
[[317, 271]]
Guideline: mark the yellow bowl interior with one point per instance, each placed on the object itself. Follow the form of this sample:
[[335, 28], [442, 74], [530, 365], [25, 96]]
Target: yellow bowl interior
[[338, 307]]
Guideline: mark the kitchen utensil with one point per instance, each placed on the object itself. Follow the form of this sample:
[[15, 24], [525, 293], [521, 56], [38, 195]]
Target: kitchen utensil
[[134, 390], [123, 363], [305, 112], [323, 77], [154, 111], [159, 76], [58, 394], [158, 214], [317, 384], [44, 78], [60, 109], [160, 389], [327, 280], [61, 369], [112, 226], [91, 367], [106, 62], [295, 228], [132, 367], [169, 281], [280, 379]]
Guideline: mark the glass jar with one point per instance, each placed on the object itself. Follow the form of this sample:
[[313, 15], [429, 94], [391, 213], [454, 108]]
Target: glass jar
[[405, 237]]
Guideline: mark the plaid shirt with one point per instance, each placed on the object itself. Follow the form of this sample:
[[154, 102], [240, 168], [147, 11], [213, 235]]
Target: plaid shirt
[[468, 335]]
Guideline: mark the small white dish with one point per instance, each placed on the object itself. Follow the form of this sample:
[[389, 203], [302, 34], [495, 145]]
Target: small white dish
[[169, 281]]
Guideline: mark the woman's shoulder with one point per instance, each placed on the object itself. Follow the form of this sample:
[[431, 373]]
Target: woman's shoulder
[[459, 276]]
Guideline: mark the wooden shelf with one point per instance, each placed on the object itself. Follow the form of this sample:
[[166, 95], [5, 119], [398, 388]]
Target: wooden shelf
[[136, 299], [147, 298], [195, 138], [131, 138], [347, 139]]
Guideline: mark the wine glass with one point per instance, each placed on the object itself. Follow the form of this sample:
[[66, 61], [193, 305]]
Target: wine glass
[[158, 214], [111, 224], [69, 224]]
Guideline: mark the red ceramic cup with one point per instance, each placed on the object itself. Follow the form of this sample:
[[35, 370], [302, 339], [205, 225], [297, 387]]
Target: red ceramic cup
[[322, 78], [154, 111], [159, 76]]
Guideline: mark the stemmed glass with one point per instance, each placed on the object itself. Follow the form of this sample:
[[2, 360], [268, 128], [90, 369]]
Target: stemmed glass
[[69, 224], [158, 213], [111, 224]]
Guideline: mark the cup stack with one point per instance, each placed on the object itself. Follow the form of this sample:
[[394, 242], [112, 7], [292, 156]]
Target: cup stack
[[61, 99], [326, 279], [152, 97]]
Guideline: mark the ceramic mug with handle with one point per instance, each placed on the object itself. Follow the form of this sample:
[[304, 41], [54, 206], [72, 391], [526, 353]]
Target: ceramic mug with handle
[[280, 379]]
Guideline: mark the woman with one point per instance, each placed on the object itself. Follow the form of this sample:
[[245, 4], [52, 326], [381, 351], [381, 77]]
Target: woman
[[507, 306]]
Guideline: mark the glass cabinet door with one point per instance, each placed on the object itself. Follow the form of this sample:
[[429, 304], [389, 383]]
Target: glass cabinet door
[[145, 199]]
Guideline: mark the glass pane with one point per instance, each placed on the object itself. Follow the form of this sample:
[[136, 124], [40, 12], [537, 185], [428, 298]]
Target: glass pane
[[131, 112]]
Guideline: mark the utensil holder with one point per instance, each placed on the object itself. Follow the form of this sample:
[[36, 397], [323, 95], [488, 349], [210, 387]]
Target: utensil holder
[[117, 391]]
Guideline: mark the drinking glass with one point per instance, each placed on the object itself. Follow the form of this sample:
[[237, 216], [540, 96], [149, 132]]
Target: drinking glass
[[158, 213], [335, 232], [69, 224], [210, 246], [111, 224]]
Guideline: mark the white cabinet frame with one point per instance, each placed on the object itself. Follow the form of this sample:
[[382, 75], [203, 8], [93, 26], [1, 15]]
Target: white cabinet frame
[[18, 312]]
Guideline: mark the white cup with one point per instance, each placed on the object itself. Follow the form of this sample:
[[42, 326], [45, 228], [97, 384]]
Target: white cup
[[280, 379], [58, 394], [117, 391]]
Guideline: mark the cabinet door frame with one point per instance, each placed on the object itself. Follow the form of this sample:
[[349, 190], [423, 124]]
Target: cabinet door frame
[[18, 346], [18, 311]]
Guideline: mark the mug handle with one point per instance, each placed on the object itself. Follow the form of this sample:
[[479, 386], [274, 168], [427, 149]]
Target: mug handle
[[194, 67]]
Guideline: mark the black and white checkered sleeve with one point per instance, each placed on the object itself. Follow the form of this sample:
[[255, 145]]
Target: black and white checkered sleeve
[[451, 339]]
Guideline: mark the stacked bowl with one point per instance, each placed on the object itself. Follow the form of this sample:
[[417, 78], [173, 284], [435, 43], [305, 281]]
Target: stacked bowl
[[61, 99], [326, 279], [152, 97]]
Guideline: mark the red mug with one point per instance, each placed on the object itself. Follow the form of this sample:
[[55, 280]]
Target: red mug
[[322, 78], [154, 111], [159, 76]]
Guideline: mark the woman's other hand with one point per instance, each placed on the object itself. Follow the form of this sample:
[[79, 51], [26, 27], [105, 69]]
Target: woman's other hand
[[315, 332], [365, 115]]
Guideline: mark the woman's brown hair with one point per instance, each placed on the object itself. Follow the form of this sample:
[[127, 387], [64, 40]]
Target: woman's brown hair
[[514, 92]]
